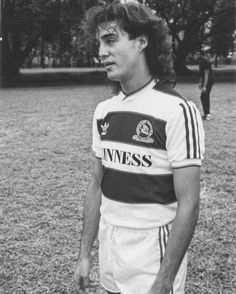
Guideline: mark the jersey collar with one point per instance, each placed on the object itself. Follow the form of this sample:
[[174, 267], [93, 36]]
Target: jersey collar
[[150, 84]]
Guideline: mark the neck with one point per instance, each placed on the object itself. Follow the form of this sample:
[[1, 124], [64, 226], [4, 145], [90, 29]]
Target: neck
[[136, 81]]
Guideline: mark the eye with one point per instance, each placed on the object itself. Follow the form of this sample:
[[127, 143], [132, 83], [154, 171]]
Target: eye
[[110, 41]]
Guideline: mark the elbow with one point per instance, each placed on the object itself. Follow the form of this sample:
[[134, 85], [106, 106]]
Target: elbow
[[195, 211], [189, 208], [194, 206]]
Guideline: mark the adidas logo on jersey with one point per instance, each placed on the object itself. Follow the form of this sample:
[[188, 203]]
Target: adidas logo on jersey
[[104, 127], [127, 158]]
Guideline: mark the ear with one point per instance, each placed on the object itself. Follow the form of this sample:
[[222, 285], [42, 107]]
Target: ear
[[143, 42]]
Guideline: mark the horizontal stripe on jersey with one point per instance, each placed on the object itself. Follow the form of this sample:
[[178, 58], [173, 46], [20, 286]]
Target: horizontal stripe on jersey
[[133, 128], [137, 188]]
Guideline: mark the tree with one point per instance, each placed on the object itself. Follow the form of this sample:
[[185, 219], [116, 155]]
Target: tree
[[24, 22], [223, 28], [188, 22]]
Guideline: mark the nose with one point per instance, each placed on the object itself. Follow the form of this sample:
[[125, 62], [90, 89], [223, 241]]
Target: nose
[[103, 52]]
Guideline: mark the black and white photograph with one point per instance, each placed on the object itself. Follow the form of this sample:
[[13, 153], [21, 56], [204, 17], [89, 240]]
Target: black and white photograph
[[117, 146]]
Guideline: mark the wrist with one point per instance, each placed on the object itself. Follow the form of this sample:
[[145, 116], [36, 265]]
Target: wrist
[[83, 255], [84, 252], [163, 283], [161, 287]]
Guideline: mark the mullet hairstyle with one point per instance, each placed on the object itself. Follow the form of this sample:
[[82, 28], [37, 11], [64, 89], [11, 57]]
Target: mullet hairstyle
[[135, 19]]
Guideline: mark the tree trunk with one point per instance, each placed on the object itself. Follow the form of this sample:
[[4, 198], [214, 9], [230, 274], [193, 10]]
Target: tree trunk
[[42, 61], [184, 47], [13, 58], [10, 66], [180, 65]]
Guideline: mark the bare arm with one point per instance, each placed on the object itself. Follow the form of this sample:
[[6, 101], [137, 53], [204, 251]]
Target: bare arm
[[187, 188], [91, 211], [90, 226]]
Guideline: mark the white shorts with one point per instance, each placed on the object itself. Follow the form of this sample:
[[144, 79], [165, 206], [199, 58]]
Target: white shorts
[[129, 259]]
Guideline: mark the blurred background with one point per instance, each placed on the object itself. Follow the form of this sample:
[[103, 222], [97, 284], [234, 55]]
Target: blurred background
[[44, 34]]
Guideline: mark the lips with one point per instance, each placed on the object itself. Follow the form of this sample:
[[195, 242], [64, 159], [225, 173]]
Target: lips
[[107, 63]]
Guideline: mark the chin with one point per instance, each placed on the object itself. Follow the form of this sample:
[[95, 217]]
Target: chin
[[113, 76]]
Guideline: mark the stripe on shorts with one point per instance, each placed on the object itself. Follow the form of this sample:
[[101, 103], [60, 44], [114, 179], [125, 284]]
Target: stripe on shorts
[[163, 238], [164, 233]]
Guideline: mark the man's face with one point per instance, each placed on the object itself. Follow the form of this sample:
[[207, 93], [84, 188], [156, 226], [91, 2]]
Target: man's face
[[118, 53]]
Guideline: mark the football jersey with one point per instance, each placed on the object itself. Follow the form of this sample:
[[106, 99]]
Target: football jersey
[[141, 138]]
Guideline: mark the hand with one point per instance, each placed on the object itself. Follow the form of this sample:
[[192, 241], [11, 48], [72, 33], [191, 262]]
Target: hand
[[159, 288], [81, 275]]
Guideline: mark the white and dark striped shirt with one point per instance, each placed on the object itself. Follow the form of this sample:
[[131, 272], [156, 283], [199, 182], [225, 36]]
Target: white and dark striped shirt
[[140, 139]]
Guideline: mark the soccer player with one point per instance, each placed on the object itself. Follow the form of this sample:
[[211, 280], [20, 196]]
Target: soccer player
[[206, 82], [148, 141]]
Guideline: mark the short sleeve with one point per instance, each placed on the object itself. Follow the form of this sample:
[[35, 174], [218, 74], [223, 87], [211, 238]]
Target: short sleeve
[[96, 140], [185, 136]]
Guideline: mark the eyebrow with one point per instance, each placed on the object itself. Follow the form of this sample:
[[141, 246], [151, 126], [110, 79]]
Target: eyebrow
[[108, 35]]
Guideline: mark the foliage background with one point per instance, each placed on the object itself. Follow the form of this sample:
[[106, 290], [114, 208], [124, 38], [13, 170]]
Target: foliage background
[[30, 24]]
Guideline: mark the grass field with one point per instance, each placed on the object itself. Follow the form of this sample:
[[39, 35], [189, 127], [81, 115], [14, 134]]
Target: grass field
[[46, 159]]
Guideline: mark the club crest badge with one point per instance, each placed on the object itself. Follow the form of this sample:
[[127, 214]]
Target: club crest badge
[[104, 128], [144, 131]]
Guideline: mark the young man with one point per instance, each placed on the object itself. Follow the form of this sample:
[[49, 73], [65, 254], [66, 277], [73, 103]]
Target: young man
[[148, 142], [206, 82]]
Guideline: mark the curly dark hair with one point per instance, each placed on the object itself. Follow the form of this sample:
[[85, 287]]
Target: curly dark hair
[[135, 19]]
